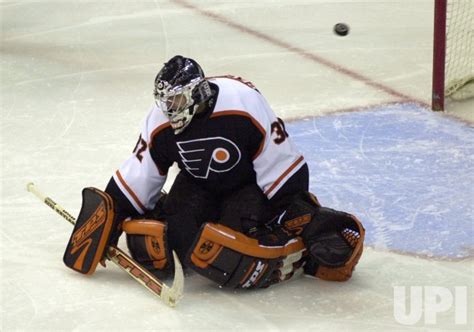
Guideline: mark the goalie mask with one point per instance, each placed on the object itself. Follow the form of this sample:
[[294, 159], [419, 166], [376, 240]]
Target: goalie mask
[[180, 87]]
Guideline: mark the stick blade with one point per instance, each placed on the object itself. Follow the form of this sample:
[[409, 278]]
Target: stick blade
[[175, 293]]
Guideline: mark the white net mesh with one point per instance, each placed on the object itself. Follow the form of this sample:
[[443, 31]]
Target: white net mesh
[[460, 49]]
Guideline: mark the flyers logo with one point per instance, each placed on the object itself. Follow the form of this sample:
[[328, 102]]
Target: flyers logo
[[205, 155]]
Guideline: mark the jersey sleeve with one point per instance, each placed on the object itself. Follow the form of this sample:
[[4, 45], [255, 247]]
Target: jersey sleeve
[[139, 178], [277, 158]]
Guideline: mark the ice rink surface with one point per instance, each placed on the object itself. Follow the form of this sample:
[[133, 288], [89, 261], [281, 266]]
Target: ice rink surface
[[76, 83]]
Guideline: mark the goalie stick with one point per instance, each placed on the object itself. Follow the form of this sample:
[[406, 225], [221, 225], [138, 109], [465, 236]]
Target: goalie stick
[[170, 296]]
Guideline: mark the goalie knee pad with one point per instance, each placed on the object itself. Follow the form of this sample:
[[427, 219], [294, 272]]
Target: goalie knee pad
[[147, 242], [234, 260]]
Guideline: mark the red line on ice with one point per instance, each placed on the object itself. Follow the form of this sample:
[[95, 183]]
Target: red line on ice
[[301, 52]]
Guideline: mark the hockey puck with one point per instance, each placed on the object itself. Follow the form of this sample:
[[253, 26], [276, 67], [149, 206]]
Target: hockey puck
[[341, 29]]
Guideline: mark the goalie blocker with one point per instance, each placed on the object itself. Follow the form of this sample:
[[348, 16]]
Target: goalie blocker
[[92, 231]]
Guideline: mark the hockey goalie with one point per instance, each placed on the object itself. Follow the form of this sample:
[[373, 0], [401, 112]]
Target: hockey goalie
[[239, 211]]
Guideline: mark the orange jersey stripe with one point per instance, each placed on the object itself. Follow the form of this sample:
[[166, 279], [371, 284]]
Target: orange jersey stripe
[[285, 173], [157, 130], [130, 191]]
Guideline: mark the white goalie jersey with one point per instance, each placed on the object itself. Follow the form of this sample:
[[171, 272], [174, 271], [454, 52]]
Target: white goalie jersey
[[238, 140]]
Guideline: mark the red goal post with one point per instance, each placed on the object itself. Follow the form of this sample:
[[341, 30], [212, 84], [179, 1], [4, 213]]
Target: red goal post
[[453, 51]]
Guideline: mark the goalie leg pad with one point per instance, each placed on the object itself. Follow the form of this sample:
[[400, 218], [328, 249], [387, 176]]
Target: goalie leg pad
[[91, 233], [234, 260], [148, 245]]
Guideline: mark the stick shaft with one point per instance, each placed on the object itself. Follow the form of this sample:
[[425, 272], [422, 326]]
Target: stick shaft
[[52, 204]]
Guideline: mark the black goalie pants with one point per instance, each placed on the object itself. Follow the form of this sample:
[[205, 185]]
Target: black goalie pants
[[188, 206]]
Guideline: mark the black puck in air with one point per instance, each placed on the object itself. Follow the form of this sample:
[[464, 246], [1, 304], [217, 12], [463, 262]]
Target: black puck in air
[[341, 29]]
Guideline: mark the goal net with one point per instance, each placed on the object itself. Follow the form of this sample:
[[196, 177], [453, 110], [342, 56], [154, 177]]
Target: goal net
[[453, 59]]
